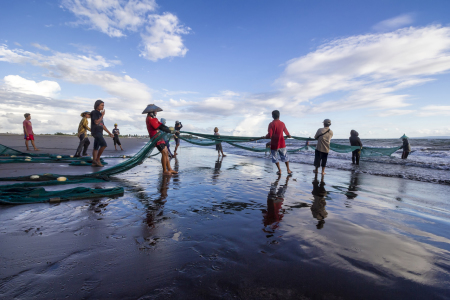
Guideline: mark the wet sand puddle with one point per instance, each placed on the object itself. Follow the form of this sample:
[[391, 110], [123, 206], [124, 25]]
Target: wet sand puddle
[[232, 229]]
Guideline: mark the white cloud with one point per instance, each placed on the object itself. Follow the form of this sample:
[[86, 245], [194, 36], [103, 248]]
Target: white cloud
[[17, 44], [162, 37], [81, 69], [44, 88], [42, 47], [434, 110], [394, 23], [161, 34], [366, 71], [111, 16]]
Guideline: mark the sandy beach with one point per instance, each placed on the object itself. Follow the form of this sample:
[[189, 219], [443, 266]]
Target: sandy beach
[[225, 229]]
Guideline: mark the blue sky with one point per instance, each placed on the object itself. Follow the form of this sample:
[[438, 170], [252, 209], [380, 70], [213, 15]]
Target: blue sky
[[379, 67]]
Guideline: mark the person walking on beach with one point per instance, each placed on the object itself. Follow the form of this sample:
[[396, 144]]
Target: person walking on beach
[[355, 141], [277, 144], [28, 132], [167, 140], [82, 134], [406, 147], [219, 145], [323, 137], [153, 128], [178, 127], [116, 140], [97, 127]]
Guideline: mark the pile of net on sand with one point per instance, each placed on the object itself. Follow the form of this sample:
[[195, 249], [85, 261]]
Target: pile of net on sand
[[13, 193], [209, 140]]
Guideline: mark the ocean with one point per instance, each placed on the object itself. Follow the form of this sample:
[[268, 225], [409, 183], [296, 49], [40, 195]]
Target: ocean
[[429, 160]]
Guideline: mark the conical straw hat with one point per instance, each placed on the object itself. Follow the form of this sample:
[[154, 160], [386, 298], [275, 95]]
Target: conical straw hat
[[151, 108], [404, 137]]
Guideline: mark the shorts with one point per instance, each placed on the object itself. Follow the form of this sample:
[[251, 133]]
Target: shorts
[[116, 140], [99, 141], [320, 159], [29, 138], [282, 152], [177, 140], [219, 147], [161, 147]]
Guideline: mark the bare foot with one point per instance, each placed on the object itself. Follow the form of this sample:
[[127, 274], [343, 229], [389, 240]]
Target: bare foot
[[167, 173], [173, 172], [323, 173], [223, 155], [37, 149], [289, 172]]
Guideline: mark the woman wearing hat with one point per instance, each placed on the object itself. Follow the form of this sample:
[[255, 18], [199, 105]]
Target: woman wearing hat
[[116, 133], [82, 134]]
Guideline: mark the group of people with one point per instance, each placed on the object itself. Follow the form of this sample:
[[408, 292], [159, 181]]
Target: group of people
[[277, 133]]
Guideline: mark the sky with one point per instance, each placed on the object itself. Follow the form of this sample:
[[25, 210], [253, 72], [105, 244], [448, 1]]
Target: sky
[[379, 67]]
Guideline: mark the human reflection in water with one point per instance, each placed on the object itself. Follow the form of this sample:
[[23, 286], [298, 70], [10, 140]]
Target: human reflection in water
[[155, 209], [352, 188], [318, 206], [217, 167], [274, 212]]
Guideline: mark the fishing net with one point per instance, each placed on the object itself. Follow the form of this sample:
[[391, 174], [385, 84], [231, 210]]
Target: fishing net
[[24, 195], [368, 152]]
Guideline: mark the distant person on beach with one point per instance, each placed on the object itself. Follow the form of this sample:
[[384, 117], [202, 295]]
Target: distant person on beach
[[318, 205], [116, 133], [178, 127], [167, 140], [355, 141], [323, 137], [82, 134], [28, 132], [277, 144], [406, 147], [97, 127], [219, 145], [154, 127]]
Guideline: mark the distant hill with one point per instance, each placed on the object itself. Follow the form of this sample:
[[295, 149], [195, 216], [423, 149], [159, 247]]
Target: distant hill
[[433, 137]]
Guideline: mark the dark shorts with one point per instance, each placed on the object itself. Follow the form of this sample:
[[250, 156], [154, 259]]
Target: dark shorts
[[177, 140], [99, 141], [161, 147], [116, 140], [320, 159], [219, 147]]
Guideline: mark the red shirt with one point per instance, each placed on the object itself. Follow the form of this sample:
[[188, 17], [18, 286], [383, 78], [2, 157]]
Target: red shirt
[[152, 128], [276, 129]]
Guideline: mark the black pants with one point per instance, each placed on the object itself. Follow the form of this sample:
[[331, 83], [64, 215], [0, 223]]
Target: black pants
[[116, 140], [405, 154], [84, 142], [356, 155], [320, 159]]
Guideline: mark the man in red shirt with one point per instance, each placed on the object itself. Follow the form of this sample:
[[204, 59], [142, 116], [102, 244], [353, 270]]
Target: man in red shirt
[[277, 144], [153, 128]]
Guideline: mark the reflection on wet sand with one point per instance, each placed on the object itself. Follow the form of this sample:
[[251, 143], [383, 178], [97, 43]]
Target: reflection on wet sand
[[155, 209], [217, 167], [318, 205], [353, 186], [274, 212]]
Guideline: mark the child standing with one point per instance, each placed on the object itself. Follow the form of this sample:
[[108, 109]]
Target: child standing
[[28, 132], [116, 140], [219, 145]]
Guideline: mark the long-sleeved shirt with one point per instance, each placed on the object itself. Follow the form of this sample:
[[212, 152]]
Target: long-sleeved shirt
[[406, 146], [83, 126], [355, 141], [323, 140], [276, 129]]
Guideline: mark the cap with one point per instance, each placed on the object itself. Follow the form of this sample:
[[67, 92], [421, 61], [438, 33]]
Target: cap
[[85, 113], [152, 108], [115, 124], [327, 121]]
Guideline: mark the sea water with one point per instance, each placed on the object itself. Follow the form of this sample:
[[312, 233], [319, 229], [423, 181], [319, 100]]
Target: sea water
[[429, 160]]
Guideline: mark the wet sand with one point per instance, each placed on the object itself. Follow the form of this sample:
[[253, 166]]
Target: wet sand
[[230, 229]]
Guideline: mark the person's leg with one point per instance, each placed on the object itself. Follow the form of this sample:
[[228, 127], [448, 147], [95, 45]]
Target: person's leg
[[26, 144], [94, 156], [353, 156], [120, 144], [285, 158], [279, 169], [115, 143], [358, 156], [99, 154], [316, 161], [34, 145], [324, 157], [406, 155], [80, 146], [86, 146], [163, 163]]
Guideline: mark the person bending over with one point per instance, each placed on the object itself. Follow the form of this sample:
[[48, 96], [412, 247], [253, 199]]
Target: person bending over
[[323, 137], [178, 127], [277, 144], [116, 140], [219, 145], [406, 147], [355, 141], [82, 134], [153, 127], [97, 127], [28, 133]]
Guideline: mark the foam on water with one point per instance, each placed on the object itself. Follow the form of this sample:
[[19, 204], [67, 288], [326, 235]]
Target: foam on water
[[429, 160]]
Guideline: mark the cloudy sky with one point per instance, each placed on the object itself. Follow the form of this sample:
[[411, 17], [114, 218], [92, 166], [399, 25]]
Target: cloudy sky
[[380, 67]]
